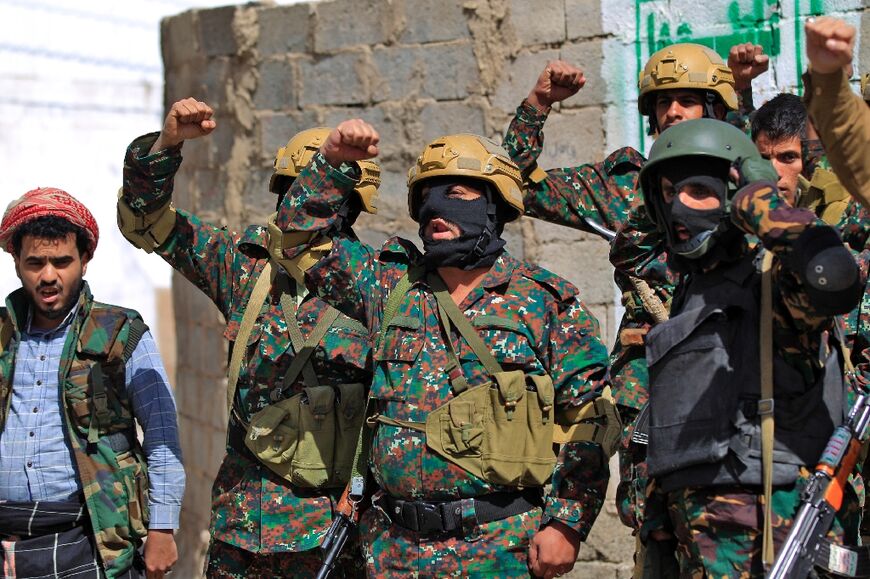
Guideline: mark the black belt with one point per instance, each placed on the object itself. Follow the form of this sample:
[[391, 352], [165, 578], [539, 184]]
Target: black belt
[[445, 517]]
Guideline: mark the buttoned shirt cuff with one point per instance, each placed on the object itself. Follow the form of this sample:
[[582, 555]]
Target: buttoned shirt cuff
[[158, 169], [570, 513], [164, 516], [529, 115]]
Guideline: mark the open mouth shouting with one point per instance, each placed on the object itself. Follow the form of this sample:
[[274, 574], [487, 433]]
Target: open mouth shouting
[[439, 229], [681, 232], [48, 296]]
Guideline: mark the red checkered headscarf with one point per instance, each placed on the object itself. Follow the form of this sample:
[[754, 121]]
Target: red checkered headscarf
[[43, 202]]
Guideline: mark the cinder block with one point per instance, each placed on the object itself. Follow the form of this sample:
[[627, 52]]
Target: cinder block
[[540, 22], [213, 83], [862, 65], [520, 77], [216, 36], [583, 19], [442, 72], [589, 56], [284, 29], [447, 118], [178, 43], [259, 202], [333, 80], [420, 16], [583, 263], [344, 23], [277, 128], [276, 88], [184, 81], [573, 138]]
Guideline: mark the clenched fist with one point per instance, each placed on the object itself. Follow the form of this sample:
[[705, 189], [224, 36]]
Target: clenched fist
[[746, 62], [352, 140], [829, 44], [187, 119], [558, 81]]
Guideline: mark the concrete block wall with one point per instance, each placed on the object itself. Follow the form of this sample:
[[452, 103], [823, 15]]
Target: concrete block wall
[[415, 69]]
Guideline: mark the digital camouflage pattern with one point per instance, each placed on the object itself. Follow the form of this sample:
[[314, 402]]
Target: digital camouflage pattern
[[98, 333], [604, 193], [252, 509], [531, 320], [228, 562], [496, 549], [718, 528]]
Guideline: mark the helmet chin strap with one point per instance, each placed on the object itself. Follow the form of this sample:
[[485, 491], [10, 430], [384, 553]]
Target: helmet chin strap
[[479, 249]]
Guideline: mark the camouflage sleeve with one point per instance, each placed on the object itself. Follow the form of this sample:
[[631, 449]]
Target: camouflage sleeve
[[638, 249], [578, 364], [854, 226], [200, 252], [742, 117], [758, 209], [346, 275], [602, 192]]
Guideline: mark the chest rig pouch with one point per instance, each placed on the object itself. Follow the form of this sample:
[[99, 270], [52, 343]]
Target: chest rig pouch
[[309, 438], [501, 431]]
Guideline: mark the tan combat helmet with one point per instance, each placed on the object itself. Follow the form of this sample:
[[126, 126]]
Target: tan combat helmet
[[685, 66], [295, 156], [469, 156], [865, 86]]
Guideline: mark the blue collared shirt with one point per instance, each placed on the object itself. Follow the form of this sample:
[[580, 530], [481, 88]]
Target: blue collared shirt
[[36, 462]]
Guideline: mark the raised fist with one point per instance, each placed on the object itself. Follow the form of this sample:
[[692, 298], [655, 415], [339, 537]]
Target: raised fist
[[352, 140], [558, 81], [746, 62], [187, 119], [829, 44]]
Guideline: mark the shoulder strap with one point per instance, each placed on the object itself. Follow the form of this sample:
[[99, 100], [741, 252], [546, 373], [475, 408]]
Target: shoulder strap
[[765, 404], [302, 360], [448, 307], [252, 310], [137, 330], [395, 299]]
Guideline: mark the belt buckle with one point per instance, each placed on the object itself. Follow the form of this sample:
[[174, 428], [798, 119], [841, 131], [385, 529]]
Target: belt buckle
[[429, 518]]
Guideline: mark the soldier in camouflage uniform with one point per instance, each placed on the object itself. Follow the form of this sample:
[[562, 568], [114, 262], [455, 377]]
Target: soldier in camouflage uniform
[[263, 523], [706, 443], [460, 475], [605, 192]]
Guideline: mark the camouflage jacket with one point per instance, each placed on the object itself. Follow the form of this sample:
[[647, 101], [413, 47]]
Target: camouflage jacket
[[531, 320], [114, 483], [252, 508], [604, 193]]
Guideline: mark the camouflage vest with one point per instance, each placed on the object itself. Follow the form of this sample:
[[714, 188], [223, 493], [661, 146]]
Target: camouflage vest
[[98, 417]]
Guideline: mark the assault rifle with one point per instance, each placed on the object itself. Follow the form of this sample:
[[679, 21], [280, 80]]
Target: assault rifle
[[805, 545], [343, 524]]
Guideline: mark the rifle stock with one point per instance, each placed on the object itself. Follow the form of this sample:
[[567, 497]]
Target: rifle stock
[[823, 496], [343, 522]]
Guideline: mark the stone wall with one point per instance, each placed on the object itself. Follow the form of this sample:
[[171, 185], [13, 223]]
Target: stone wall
[[415, 69]]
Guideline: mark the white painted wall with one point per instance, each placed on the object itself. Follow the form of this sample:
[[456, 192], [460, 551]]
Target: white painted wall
[[78, 81]]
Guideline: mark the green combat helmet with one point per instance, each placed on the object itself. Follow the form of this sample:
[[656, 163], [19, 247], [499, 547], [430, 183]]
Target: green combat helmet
[[703, 138]]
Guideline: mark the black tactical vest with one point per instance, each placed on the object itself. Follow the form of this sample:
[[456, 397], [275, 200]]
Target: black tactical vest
[[705, 386]]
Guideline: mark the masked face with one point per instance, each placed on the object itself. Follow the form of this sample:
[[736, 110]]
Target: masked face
[[458, 225], [693, 205]]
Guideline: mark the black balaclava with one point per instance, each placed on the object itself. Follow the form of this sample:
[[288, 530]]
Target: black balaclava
[[479, 243], [706, 227]]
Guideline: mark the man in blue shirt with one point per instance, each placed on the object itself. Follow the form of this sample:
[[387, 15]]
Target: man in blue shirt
[[75, 377]]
